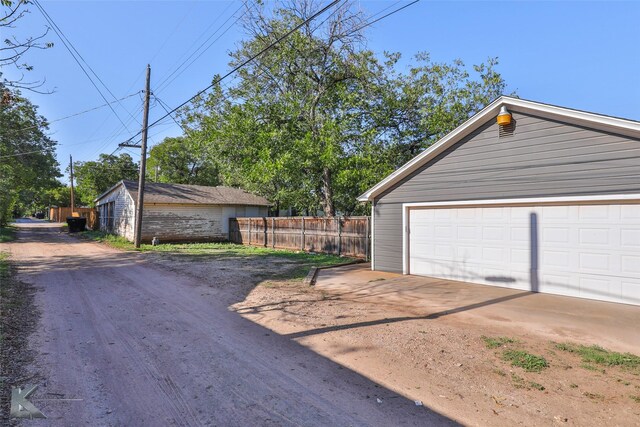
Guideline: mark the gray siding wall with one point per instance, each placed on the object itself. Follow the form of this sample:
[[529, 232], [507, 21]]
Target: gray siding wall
[[542, 158]]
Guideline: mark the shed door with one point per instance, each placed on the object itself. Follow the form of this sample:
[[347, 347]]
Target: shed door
[[588, 251]]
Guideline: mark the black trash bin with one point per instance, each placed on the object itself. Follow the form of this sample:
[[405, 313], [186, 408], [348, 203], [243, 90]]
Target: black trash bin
[[76, 224]]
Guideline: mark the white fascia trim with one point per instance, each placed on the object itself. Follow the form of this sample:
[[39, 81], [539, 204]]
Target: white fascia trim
[[405, 239], [611, 124], [113, 187], [598, 121], [599, 199], [373, 236], [606, 198]]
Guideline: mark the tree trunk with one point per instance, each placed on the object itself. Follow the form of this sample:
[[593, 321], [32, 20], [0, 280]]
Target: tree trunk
[[327, 193]]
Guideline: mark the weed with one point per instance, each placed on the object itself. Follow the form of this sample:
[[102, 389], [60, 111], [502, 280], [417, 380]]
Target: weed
[[592, 368], [7, 234], [500, 372], [572, 385], [518, 381], [601, 356], [496, 342], [529, 362], [635, 398], [536, 386], [593, 396]]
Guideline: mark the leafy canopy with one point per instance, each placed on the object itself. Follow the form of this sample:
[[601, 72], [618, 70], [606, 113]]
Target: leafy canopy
[[95, 177], [318, 119]]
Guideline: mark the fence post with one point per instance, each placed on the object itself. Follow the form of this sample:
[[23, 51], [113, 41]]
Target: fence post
[[273, 232], [339, 236], [302, 236], [266, 238], [249, 231]]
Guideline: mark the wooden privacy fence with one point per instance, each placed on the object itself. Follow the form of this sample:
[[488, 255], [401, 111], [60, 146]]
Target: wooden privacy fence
[[348, 236], [60, 214]]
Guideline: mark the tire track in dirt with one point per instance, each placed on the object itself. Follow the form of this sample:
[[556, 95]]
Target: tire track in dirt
[[175, 405], [156, 348]]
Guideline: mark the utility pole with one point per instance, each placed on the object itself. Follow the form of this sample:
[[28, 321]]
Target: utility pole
[[143, 160], [71, 177]]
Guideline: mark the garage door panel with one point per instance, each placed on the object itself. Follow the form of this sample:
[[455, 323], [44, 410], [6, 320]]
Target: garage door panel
[[630, 238], [555, 235], [631, 291], [584, 251]]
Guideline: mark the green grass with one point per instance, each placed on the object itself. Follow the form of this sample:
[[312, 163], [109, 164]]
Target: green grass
[[595, 354], [593, 396], [495, 342], [536, 386], [199, 251], [529, 362], [590, 367], [4, 265], [7, 234], [517, 381], [109, 239]]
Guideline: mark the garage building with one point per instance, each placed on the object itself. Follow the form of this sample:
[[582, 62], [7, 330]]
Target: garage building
[[549, 202], [176, 212]]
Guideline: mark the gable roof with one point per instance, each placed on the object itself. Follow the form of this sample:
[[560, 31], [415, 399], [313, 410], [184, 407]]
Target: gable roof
[[190, 194], [630, 128]]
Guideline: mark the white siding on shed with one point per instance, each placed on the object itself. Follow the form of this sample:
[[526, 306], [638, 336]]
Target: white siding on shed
[[192, 222], [123, 220]]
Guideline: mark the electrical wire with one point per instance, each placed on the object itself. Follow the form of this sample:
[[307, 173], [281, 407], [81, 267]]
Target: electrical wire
[[165, 107], [382, 17], [247, 61], [166, 82], [67, 44], [78, 114]]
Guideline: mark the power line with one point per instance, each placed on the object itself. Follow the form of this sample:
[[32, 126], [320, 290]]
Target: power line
[[170, 112], [166, 82], [382, 17], [250, 59], [67, 43], [79, 113]]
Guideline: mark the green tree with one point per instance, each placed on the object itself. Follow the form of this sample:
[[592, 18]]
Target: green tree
[[13, 48], [95, 177], [318, 119], [181, 161], [59, 195], [27, 156]]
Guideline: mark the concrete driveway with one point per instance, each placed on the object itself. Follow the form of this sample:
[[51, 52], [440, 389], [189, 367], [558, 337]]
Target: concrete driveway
[[558, 318]]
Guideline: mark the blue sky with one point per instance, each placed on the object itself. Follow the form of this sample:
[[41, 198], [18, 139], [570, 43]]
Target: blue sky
[[583, 55]]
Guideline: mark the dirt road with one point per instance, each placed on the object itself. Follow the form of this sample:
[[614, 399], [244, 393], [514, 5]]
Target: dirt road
[[124, 342]]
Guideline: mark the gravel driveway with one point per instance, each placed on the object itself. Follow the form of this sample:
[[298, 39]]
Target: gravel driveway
[[122, 341]]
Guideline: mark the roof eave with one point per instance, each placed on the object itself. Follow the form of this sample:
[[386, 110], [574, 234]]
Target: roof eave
[[616, 125], [460, 132], [113, 187]]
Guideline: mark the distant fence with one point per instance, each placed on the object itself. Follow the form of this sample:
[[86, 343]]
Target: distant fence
[[60, 214], [348, 236]]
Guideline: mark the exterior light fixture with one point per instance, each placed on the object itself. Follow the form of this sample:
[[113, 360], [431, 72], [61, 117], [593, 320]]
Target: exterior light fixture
[[504, 117]]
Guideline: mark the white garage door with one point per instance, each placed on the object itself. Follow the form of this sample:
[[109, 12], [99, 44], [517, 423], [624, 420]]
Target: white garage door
[[588, 251]]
